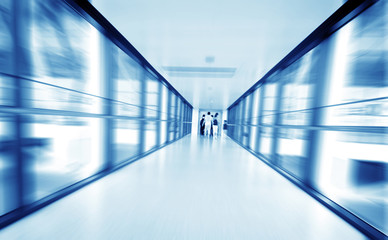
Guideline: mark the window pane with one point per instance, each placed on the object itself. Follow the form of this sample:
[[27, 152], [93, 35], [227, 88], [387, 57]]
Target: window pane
[[8, 178], [353, 171], [152, 96], [65, 53], [269, 105], [253, 132], [53, 97], [297, 91], [370, 113], [63, 150], [150, 135], [128, 87], [164, 116], [126, 139], [256, 106], [266, 141], [6, 41], [6, 90], [291, 151], [359, 66]]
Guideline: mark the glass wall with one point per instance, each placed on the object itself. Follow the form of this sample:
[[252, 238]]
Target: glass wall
[[322, 119], [74, 103]]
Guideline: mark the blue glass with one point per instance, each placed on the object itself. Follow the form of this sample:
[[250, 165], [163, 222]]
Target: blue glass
[[126, 139], [6, 41], [65, 59], [63, 151], [127, 86], [152, 95], [353, 165], [8, 177], [150, 135]]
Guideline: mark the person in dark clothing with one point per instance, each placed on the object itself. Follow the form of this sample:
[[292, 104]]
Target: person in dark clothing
[[202, 125], [211, 128], [215, 126]]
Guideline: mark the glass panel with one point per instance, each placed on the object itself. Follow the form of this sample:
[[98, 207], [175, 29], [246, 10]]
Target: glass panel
[[6, 41], [152, 95], [150, 135], [128, 87], [164, 102], [240, 121], [6, 90], [172, 130], [163, 129], [173, 124], [266, 141], [52, 97], [353, 171], [63, 150], [253, 133], [297, 91], [8, 178], [371, 113], [65, 53], [291, 150], [359, 66], [245, 135], [172, 106], [126, 139], [352, 168], [247, 110], [256, 106], [269, 106]]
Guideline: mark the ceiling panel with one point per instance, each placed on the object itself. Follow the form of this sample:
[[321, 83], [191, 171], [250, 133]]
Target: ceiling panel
[[213, 51]]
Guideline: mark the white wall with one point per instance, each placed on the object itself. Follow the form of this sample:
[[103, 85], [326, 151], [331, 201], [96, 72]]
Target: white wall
[[194, 126]]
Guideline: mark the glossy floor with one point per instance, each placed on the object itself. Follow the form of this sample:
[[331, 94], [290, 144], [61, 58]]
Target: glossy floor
[[196, 188]]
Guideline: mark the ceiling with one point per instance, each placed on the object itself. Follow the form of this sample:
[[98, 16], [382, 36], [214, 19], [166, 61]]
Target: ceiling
[[212, 51]]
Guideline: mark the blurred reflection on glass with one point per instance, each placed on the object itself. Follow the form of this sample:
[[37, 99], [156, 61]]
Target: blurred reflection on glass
[[51, 97], [8, 178], [65, 53], [256, 106], [370, 113], [172, 106], [171, 131], [239, 121], [270, 91], [353, 171], [164, 117], [245, 129], [6, 42], [353, 166], [126, 139], [6, 90], [127, 86], [173, 125], [291, 151], [63, 150], [297, 91], [253, 140], [150, 135], [179, 126], [152, 95], [360, 58], [231, 122], [266, 141]]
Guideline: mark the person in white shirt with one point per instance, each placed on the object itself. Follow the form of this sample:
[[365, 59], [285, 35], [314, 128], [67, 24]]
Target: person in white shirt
[[208, 124]]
